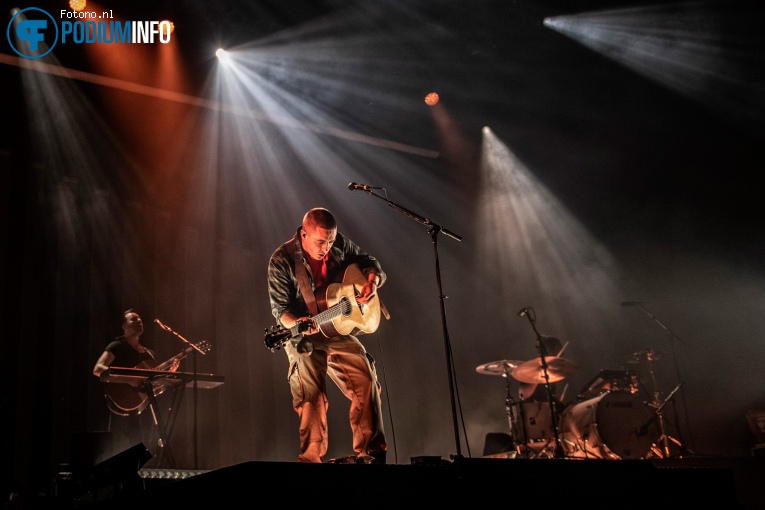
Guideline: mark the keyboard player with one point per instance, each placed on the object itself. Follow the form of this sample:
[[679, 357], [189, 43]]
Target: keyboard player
[[127, 423]]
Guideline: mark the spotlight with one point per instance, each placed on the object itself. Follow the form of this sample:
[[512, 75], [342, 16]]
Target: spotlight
[[167, 26], [222, 55], [77, 5], [431, 99]]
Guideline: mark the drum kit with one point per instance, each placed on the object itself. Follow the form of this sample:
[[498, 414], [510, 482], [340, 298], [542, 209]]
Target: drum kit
[[609, 420]]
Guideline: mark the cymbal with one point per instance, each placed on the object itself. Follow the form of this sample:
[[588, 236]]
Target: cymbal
[[557, 369], [647, 355], [500, 367]]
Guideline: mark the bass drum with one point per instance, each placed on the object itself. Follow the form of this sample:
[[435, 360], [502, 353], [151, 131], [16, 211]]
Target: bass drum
[[614, 425]]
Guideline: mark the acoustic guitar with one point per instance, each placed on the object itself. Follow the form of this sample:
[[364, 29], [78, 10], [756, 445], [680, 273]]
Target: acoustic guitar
[[340, 313], [124, 399]]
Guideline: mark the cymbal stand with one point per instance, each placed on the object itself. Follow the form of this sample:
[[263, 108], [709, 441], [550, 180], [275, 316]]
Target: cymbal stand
[[659, 412], [666, 437], [529, 312], [672, 338], [509, 404]]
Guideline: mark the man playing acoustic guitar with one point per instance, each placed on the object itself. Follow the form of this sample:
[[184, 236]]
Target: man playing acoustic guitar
[[316, 258], [127, 351]]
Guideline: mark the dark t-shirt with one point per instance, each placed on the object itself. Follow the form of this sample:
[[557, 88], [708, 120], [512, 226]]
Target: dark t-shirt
[[126, 356], [129, 427]]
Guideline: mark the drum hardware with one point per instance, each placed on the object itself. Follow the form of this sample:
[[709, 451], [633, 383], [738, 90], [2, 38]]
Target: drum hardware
[[664, 438], [504, 368], [610, 380], [548, 369], [533, 426], [530, 422], [545, 370], [537, 371], [650, 356], [575, 445], [613, 425], [653, 355]]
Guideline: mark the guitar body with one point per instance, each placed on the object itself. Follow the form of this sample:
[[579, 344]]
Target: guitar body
[[354, 318], [124, 399], [340, 314]]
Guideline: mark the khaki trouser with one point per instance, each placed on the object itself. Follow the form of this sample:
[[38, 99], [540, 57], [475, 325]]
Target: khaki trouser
[[352, 369]]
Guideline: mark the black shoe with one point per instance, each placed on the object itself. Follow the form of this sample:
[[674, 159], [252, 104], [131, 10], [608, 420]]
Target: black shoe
[[348, 459], [377, 457]]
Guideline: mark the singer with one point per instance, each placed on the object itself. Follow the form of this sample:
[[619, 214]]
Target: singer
[[127, 351], [318, 255]]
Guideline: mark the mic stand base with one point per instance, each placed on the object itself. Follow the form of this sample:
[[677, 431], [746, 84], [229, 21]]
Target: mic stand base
[[661, 447], [659, 450]]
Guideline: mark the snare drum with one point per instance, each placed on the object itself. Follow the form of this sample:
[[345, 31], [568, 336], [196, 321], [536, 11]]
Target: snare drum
[[614, 425]]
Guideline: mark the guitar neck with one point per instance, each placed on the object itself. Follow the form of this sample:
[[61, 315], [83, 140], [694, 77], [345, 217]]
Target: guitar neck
[[166, 364], [342, 315], [343, 306]]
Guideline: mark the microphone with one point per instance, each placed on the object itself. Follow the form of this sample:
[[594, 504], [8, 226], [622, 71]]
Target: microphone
[[159, 323], [354, 186], [524, 311], [631, 303]]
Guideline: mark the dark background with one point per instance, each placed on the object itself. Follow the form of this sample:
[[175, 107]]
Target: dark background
[[631, 190]]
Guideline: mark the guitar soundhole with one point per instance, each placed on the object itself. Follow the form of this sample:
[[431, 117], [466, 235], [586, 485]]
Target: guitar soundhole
[[345, 306]]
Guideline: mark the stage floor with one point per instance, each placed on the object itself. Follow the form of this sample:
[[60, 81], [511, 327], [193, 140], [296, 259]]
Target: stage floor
[[723, 483]]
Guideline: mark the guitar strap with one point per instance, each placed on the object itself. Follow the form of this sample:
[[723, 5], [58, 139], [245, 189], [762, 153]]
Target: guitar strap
[[302, 344], [302, 276]]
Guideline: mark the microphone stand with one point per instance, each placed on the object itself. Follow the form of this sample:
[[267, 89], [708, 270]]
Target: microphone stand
[[195, 389], [680, 385], [658, 414], [550, 399], [433, 229]]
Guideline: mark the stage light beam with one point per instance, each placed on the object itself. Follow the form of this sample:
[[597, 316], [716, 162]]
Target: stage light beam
[[679, 46]]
